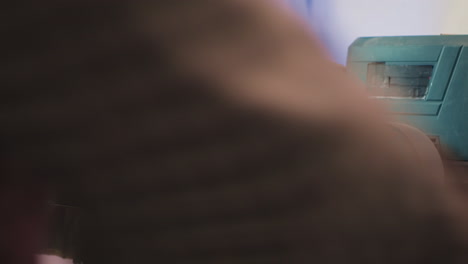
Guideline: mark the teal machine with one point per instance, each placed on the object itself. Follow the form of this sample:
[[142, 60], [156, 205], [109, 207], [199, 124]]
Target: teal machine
[[424, 82]]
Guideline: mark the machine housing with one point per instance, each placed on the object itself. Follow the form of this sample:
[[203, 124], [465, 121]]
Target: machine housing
[[424, 82]]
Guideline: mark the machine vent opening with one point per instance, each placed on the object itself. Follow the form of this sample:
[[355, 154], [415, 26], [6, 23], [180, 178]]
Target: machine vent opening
[[398, 81]]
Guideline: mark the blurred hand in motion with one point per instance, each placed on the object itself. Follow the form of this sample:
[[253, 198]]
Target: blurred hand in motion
[[211, 131]]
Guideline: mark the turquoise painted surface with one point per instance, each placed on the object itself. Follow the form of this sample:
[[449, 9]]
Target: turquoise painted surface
[[443, 111]]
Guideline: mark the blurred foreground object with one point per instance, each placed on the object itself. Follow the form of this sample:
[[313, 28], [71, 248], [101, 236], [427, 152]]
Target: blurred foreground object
[[213, 131], [52, 259], [63, 238]]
